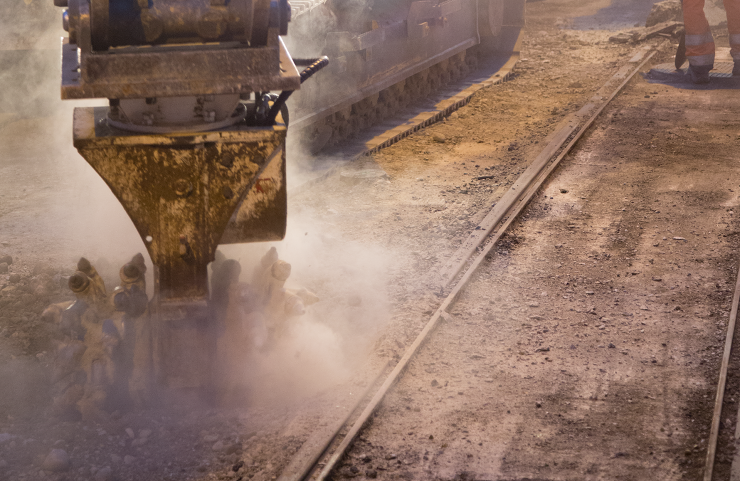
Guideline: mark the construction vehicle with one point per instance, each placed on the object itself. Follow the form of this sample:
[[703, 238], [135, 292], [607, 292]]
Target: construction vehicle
[[192, 142], [386, 54]]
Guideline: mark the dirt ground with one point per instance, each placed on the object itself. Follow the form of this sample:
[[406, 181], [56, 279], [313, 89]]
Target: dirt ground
[[587, 347]]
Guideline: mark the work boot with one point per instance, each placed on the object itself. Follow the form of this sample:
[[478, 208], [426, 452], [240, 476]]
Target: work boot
[[699, 74]]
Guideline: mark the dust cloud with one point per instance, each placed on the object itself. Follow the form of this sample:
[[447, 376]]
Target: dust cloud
[[54, 209], [330, 341], [326, 344], [306, 39]]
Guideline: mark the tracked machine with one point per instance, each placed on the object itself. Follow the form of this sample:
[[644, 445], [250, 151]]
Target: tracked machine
[[386, 54], [192, 142]]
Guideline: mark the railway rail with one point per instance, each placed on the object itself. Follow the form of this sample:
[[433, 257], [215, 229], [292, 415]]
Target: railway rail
[[325, 455], [325, 447]]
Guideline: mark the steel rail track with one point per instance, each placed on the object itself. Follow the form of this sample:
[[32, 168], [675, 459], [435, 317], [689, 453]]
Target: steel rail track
[[307, 458], [719, 398], [511, 203], [473, 252]]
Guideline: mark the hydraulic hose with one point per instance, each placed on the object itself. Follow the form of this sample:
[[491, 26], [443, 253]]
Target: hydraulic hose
[[314, 65]]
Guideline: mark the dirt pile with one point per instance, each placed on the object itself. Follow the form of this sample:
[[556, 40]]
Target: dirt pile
[[666, 11]]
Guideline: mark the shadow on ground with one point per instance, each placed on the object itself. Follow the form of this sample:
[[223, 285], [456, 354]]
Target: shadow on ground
[[719, 79]]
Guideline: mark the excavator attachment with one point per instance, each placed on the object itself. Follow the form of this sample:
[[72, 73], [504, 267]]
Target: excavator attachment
[[192, 143], [186, 194]]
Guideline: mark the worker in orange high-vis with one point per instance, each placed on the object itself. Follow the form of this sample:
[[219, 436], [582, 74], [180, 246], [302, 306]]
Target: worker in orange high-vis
[[699, 40]]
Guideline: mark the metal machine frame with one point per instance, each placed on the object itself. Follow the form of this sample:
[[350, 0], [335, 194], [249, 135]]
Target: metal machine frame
[[191, 143]]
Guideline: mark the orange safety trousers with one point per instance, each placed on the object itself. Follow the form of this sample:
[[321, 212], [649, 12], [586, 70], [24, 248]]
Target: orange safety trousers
[[699, 40]]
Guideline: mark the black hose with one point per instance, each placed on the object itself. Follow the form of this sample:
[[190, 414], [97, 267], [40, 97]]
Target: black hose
[[277, 106], [314, 65]]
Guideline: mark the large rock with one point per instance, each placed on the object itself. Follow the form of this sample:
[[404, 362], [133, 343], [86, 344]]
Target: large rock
[[56, 461], [666, 11]]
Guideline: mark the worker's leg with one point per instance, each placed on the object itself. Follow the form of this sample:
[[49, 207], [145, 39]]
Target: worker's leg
[[699, 40], [733, 25]]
